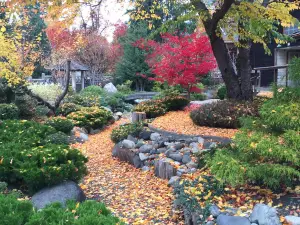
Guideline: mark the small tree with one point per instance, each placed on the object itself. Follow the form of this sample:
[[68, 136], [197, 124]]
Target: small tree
[[182, 60]]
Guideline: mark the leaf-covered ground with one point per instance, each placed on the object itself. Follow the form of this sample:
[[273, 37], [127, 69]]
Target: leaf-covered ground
[[180, 122], [135, 196]]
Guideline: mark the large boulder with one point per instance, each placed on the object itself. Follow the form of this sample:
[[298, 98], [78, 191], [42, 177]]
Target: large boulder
[[128, 144], [232, 220], [293, 220], [264, 215], [110, 88], [63, 192]]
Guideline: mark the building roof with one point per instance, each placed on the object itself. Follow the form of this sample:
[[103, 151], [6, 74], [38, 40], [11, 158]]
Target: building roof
[[75, 66]]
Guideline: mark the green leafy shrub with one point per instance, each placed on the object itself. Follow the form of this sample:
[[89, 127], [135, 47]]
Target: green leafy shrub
[[294, 71], [125, 88], [174, 103], [120, 133], [61, 124], [92, 91], [222, 92], [152, 108], [58, 138], [3, 186], [41, 111], [259, 157], [29, 163], [13, 211], [92, 117], [48, 92], [115, 101], [9, 112], [26, 104], [85, 101], [67, 108], [223, 114], [198, 97], [281, 116]]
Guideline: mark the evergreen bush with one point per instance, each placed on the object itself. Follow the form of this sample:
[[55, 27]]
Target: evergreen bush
[[152, 108], [222, 92], [9, 112], [58, 138], [67, 108], [174, 103], [120, 133], [61, 124]]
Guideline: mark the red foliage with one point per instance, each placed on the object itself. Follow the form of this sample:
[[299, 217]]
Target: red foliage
[[180, 60]]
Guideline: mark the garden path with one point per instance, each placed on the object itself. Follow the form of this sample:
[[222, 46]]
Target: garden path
[[135, 196]]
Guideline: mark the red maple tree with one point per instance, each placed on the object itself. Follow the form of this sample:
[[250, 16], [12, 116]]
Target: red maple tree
[[182, 60]]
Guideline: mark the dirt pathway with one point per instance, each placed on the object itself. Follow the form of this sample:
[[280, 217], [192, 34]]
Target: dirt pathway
[[137, 197]]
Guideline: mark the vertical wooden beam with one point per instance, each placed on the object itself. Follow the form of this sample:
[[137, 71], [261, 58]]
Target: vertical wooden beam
[[73, 81], [82, 80]]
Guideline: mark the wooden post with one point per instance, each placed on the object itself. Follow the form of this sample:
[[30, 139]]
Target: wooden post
[[73, 81], [82, 80], [138, 116]]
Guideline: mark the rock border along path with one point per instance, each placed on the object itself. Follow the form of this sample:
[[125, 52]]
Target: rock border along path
[[136, 196]]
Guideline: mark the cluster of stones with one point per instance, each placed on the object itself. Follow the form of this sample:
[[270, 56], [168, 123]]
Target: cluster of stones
[[170, 158], [261, 215]]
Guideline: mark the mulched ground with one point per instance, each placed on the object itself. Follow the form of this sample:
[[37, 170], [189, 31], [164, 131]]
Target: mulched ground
[[181, 123], [135, 196]]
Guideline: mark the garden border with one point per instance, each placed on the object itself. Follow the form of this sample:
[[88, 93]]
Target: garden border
[[174, 135]]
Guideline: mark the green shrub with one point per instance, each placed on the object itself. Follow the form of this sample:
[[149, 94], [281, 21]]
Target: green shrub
[[92, 91], [174, 103], [13, 211], [61, 124], [26, 105], [120, 133], [259, 157], [198, 97], [85, 101], [29, 163], [223, 114], [3, 186], [286, 94], [222, 92], [115, 101], [67, 108], [294, 71], [125, 88], [48, 92], [281, 116], [58, 138], [92, 117], [41, 111], [152, 108], [9, 112]]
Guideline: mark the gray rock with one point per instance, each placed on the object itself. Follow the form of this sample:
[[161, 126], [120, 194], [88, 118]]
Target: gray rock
[[145, 148], [178, 174], [214, 211], [145, 135], [179, 146], [192, 164], [264, 215], [143, 157], [195, 150], [84, 136], [131, 138], [96, 131], [106, 108], [173, 180], [186, 159], [153, 151], [293, 220], [161, 150], [176, 156], [119, 114], [136, 161], [210, 223], [145, 168], [232, 220], [128, 144], [186, 150], [213, 145], [63, 192], [110, 88], [200, 140], [155, 137], [139, 144]]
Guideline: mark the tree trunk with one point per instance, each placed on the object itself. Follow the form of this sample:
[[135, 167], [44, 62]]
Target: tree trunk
[[226, 68], [244, 70], [138, 116]]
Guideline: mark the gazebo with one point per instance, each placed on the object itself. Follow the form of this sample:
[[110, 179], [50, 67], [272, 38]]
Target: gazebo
[[77, 72]]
